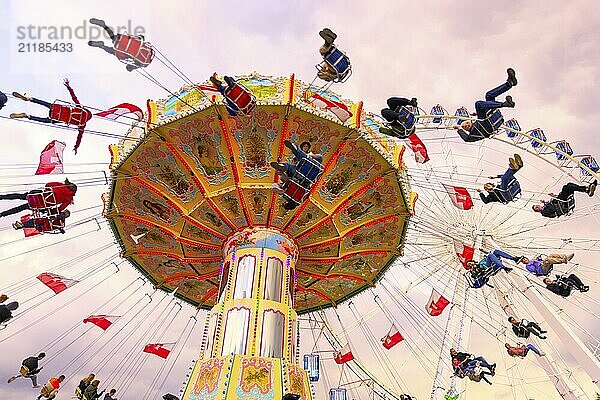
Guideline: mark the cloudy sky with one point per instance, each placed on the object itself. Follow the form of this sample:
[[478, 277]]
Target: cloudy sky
[[447, 52]]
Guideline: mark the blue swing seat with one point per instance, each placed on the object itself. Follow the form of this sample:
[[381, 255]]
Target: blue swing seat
[[537, 133], [512, 124], [564, 147], [437, 110], [488, 126], [336, 59], [511, 193], [307, 172], [461, 112]]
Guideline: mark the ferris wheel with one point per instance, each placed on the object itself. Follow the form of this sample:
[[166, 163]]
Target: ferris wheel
[[326, 284]]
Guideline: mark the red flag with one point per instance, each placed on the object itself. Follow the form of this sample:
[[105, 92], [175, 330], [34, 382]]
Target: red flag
[[121, 109], [392, 338], [460, 197], [51, 159], [101, 321], [344, 355], [417, 146], [160, 349], [28, 231], [206, 88], [436, 303], [339, 109], [56, 283], [464, 252]]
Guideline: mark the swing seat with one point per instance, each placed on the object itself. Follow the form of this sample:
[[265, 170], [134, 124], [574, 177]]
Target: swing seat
[[43, 224], [591, 163], [512, 192], [133, 50], [24, 371], [243, 98], [48, 390], [336, 59], [42, 200], [537, 133], [437, 110], [488, 126], [78, 393], [69, 114], [512, 124], [566, 207], [311, 366], [461, 112], [564, 147], [405, 129], [296, 189]]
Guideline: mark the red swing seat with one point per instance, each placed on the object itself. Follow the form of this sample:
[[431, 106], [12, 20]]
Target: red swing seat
[[241, 97], [133, 49]]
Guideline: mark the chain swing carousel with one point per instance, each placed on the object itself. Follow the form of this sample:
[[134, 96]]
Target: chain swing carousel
[[192, 205]]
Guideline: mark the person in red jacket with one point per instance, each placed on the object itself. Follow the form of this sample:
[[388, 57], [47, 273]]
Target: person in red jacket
[[63, 196], [71, 115], [50, 389]]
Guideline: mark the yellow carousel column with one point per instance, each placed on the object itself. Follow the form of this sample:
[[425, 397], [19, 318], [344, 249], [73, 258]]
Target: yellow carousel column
[[249, 350]]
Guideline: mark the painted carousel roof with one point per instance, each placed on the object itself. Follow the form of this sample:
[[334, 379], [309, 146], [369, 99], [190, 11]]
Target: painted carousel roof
[[195, 175]]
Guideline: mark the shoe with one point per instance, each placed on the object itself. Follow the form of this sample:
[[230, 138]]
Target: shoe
[[328, 36], [570, 256], [229, 81], [493, 369], [513, 164], [130, 67], [95, 43], [518, 259], [289, 145], [542, 336], [11, 379], [215, 81], [413, 102], [17, 225], [36, 386], [96, 21], [584, 289], [20, 96], [508, 102], [507, 269], [542, 354], [512, 77], [277, 166], [592, 188], [543, 332], [519, 160], [19, 115]]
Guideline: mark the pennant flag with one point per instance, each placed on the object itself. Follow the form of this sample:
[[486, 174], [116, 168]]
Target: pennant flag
[[101, 321], [28, 231], [344, 355], [460, 197], [339, 109], [56, 283], [51, 159], [464, 252], [122, 109], [206, 88], [392, 338], [436, 303], [160, 349], [417, 146]]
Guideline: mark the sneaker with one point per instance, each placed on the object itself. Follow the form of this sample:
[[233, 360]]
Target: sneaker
[[97, 21], [17, 225], [95, 43], [592, 188], [289, 145], [20, 96], [36, 386], [513, 164], [277, 166], [130, 67], [542, 354], [507, 269], [512, 77], [328, 36], [18, 115], [570, 256], [12, 379], [584, 289], [215, 81], [519, 160], [493, 369], [542, 336], [509, 102], [413, 102], [518, 259]]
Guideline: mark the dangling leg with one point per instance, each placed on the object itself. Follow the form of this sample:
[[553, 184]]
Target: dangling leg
[[532, 348], [569, 189], [574, 279], [14, 196], [15, 210], [102, 24]]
